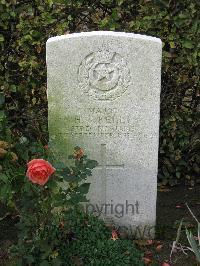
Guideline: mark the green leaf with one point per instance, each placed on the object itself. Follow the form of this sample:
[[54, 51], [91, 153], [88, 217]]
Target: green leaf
[[64, 172], [44, 263], [172, 45], [71, 178], [4, 178], [2, 99], [83, 175], [193, 244], [88, 172], [77, 198], [179, 231], [59, 166], [56, 262], [2, 115], [1, 38], [50, 2], [84, 188], [187, 44], [91, 164], [29, 258], [120, 2], [13, 88], [162, 3]]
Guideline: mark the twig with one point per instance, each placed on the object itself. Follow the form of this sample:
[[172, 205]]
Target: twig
[[5, 216], [172, 250], [192, 213], [196, 221]]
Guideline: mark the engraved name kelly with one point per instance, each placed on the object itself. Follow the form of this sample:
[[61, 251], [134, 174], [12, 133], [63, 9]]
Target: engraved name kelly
[[98, 122]]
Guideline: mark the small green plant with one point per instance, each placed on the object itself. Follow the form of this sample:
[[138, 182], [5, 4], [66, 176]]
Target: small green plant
[[194, 241], [76, 238], [195, 246]]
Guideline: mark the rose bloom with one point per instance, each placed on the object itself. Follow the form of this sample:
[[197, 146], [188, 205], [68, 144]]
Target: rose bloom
[[39, 171], [114, 235], [78, 154]]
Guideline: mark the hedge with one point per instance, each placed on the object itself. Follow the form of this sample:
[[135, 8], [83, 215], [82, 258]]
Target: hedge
[[26, 25]]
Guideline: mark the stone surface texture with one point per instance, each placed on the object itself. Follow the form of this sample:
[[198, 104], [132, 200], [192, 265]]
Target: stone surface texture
[[104, 95]]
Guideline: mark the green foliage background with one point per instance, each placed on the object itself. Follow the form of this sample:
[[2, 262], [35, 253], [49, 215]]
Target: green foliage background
[[26, 25]]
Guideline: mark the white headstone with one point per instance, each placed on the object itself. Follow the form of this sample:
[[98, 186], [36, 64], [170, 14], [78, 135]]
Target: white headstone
[[104, 96]]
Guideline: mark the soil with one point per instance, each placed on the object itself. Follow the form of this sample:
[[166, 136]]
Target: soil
[[171, 209]]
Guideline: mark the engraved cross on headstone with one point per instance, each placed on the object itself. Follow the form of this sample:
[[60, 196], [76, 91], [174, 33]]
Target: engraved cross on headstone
[[104, 166]]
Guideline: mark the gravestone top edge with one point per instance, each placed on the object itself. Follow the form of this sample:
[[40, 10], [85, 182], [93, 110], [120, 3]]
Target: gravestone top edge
[[104, 33]]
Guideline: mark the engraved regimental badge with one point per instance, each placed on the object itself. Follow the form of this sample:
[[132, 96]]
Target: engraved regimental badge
[[104, 75]]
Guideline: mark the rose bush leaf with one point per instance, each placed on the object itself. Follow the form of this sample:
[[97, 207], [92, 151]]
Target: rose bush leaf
[[91, 164]]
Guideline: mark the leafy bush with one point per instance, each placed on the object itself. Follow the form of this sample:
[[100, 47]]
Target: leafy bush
[[53, 228], [25, 27], [74, 238]]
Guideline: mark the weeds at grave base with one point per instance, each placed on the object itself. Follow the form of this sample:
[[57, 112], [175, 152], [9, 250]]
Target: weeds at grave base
[[194, 241]]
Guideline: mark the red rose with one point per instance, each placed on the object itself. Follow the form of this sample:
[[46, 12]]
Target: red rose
[[39, 171]]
